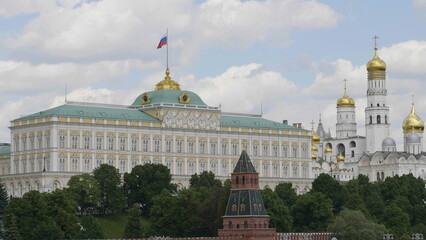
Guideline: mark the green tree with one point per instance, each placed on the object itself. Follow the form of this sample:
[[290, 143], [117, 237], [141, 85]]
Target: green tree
[[32, 217], [370, 194], [332, 189], [280, 214], [111, 194], [286, 193], [312, 212], [145, 182], [396, 220], [91, 228], [133, 226], [12, 232], [4, 198], [164, 214], [63, 211], [84, 190], [353, 225]]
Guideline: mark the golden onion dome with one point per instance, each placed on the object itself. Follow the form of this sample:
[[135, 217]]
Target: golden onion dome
[[314, 157], [345, 101], [376, 64], [340, 158], [412, 122], [315, 137], [328, 150], [314, 148], [167, 83]]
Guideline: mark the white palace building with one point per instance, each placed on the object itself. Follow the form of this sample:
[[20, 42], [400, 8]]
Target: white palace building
[[166, 126]]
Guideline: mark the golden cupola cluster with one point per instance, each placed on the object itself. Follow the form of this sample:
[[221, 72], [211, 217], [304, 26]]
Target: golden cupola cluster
[[413, 123], [345, 101], [376, 64], [167, 83]]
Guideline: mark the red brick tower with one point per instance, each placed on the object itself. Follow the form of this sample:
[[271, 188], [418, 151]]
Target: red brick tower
[[245, 214]]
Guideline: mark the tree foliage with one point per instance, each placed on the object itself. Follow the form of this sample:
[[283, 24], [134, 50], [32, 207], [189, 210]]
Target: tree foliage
[[108, 181], [353, 225], [4, 198], [332, 189], [145, 182], [281, 219], [85, 191], [133, 226]]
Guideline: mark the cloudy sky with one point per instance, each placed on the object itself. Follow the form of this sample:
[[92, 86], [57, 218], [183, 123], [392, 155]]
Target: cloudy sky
[[289, 55]]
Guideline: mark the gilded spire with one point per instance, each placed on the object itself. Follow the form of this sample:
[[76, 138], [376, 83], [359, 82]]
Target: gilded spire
[[412, 122], [345, 101], [376, 64], [167, 83]]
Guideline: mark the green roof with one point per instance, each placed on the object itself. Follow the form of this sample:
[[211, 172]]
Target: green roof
[[5, 151], [68, 110], [169, 96], [255, 122]]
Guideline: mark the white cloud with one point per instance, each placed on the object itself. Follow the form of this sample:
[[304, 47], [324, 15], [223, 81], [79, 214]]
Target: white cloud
[[406, 57], [122, 28], [25, 77], [16, 7]]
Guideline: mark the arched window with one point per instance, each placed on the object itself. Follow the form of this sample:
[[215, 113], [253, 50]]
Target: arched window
[[352, 153], [237, 181], [378, 105], [352, 144], [245, 224], [230, 224], [386, 119], [329, 145], [378, 119], [371, 119], [341, 149]]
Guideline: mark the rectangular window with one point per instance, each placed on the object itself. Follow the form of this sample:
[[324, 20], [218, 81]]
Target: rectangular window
[[179, 168], [98, 143], [74, 166], [275, 170], [145, 144], [304, 152], [16, 145], [110, 143], [62, 141], [62, 164], [32, 143], [285, 171], [224, 169], [265, 150], [179, 146], [86, 142], [74, 141], [134, 144], [275, 151], [134, 162], [86, 165], [202, 167], [294, 152], [47, 141], [24, 166], [202, 149], [157, 144], [40, 165], [168, 146], [40, 141], [265, 170], [224, 148], [234, 149], [98, 162], [295, 172], [191, 168], [122, 144], [285, 151], [190, 147], [24, 143], [213, 148], [32, 166], [213, 167], [255, 148]]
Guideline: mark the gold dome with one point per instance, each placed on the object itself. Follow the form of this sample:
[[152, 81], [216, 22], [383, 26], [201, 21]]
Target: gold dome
[[314, 157], [167, 83], [315, 137], [345, 101], [412, 122], [376, 64], [340, 158], [314, 148], [328, 150]]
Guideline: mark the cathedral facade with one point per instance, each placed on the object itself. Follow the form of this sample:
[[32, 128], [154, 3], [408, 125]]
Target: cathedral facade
[[347, 154], [166, 126]]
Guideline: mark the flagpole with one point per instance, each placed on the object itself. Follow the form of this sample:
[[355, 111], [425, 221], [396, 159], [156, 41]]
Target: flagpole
[[167, 51]]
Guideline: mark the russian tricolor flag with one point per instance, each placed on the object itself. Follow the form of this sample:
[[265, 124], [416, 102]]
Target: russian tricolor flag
[[163, 42]]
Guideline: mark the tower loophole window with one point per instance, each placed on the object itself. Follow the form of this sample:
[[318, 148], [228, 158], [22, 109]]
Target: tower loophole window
[[378, 119]]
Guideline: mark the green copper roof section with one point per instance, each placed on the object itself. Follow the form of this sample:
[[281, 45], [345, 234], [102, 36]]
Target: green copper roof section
[[169, 96], [5, 151], [68, 110], [244, 165], [255, 122]]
